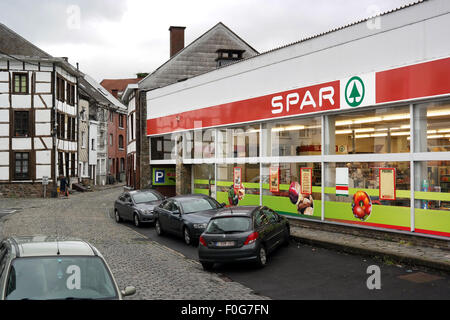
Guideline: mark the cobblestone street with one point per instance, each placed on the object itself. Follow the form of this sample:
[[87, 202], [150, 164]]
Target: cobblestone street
[[157, 272]]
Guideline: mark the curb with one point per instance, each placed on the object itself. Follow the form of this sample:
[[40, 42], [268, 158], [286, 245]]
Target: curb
[[405, 259]]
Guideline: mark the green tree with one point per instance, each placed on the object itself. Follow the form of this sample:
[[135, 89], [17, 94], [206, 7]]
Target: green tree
[[355, 93]]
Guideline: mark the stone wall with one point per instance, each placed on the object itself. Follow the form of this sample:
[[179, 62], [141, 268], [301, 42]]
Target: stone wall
[[24, 190], [183, 173]]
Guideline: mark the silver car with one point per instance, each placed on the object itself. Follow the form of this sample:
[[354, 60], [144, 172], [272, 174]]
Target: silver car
[[46, 268]]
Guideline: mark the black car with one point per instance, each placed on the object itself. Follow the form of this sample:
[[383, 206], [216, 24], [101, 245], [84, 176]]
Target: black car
[[137, 206], [186, 216], [246, 233]]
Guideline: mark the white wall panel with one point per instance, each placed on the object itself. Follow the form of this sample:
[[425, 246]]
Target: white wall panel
[[48, 142], [4, 143], [46, 67], [38, 102], [4, 158], [4, 129], [38, 145], [43, 76], [43, 88], [43, 157], [4, 173], [43, 115], [4, 100], [4, 115], [21, 143], [3, 64], [43, 129], [15, 65], [4, 87], [43, 171], [21, 101]]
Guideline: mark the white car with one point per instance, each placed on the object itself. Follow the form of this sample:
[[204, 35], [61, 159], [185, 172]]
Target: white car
[[46, 268]]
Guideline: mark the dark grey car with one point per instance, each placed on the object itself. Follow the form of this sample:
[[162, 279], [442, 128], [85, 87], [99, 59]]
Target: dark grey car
[[137, 206], [186, 216], [242, 234]]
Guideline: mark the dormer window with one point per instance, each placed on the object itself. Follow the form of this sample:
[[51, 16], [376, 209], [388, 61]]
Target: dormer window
[[227, 56]]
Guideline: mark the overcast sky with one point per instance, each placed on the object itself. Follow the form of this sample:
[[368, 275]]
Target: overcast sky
[[118, 38]]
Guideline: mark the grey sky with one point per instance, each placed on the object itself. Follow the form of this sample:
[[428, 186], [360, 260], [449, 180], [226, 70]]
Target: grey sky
[[118, 38]]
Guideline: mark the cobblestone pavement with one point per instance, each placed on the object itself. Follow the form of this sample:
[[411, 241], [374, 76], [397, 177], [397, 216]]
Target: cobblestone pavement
[[157, 272]]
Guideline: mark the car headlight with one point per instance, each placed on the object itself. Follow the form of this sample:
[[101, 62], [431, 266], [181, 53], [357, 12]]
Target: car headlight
[[146, 211], [200, 225]]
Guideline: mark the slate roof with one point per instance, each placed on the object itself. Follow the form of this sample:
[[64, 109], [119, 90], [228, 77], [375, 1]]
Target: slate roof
[[93, 89], [12, 43], [118, 84], [197, 58]]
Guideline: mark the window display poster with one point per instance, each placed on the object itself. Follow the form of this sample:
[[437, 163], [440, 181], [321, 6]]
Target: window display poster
[[387, 184], [342, 182], [274, 179], [306, 181], [237, 178]]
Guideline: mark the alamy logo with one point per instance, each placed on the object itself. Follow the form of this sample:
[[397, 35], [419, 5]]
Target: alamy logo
[[355, 92]]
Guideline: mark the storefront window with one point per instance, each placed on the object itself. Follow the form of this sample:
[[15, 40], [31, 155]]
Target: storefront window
[[384, 130], [293, 138], [163, 148], [286, 196], [249, 177], [435, 117], [242, 142], [432, 197], [200, 144], [204, 179], [353, 192]]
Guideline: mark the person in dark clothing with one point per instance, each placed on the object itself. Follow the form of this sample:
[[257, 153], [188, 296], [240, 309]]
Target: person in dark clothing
[[63, 186]]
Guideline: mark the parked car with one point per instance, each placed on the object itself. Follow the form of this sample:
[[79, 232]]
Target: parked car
[[186, 216], [45, 268], [247, 233], [137, 206]]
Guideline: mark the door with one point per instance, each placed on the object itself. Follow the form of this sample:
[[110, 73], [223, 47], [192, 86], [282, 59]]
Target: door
[[175, 219], [276, 226], [164, 213], [128, 207], [269, 228]]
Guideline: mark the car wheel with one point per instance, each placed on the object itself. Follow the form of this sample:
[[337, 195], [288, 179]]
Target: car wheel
[[158, 228], [117, 216], [187, 236], [261, 259], [136, 221], [207, 266]]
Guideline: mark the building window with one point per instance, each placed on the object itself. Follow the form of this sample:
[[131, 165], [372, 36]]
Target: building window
[[70, 94], [20, 81], [83, 140], [22, 160], [21, 123], [93, 145], [60, 164], [111, 116], [121, 120], [226, 56], [132, 127], [61, 118], [111, 139], [60, 89], [73, 165], [121, 142], [122, 164]]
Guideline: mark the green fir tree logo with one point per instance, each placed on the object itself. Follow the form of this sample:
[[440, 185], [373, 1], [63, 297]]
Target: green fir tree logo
[[355, 96]]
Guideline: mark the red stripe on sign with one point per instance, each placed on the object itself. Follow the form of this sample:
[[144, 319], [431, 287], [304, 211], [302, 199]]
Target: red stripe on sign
[[306, 100], [378, 225], [416, 81], [435, 233], [342, 188]]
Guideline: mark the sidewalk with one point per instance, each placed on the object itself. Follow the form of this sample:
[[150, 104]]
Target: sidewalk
[[390, 251]]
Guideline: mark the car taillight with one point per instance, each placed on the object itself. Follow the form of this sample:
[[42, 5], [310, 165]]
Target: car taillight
[[202, 241], [251, 238]]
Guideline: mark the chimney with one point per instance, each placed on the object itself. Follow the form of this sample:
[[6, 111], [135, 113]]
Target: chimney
[[176, 40]]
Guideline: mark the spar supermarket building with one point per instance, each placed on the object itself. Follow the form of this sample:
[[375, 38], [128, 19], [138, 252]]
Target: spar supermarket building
[[344, 104]]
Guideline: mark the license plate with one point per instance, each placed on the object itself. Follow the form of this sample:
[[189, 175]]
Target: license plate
[[225, 244]]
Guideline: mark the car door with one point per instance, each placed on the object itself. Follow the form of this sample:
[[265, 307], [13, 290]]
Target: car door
[[3, 260], [277, 226], [120, 204], [128, 207], [270, 228], [261, 224], [163, 214], [175, 218]]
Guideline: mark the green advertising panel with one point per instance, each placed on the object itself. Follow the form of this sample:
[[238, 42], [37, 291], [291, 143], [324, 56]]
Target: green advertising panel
[[164, 177]]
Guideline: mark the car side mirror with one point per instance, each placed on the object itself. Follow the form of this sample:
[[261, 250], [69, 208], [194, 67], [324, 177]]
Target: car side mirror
[[176, 212], [223, 205], [129, 291]]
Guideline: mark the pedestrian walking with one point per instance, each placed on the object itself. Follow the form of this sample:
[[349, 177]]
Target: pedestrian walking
[[63, 188]]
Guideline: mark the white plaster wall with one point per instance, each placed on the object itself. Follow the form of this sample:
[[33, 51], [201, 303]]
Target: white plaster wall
[[21, 143], [43, 76], [43, 129], [4, 100], [4, 87], [43, 88], [15, 65], [4, 143], [46, 67], [21, 101], [43, 157], [4, 129], [4, 115], [4, 173], [43, 115], [4, 158], [4, 76], [42, 171], [47, 99]]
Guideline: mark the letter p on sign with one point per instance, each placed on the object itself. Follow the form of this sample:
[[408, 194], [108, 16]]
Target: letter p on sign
[[160, 176]]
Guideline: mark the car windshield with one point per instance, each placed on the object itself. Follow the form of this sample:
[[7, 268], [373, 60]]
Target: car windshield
[[143, 197], [54, 278], [192, 205], [229, 225]]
